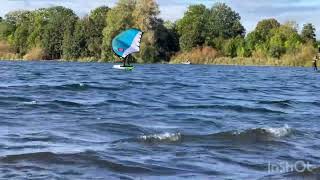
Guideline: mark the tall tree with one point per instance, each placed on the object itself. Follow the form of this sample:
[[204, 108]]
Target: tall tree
[[262, 34], [21, 20], [118, 18], [264, 28], [17, 17], [94, 26], [167, 41], [40, 19], [223, 22], [6, 30], [81, 39], [283, 40], [191, 27], [145, 18], [308, 33], [58, 31]]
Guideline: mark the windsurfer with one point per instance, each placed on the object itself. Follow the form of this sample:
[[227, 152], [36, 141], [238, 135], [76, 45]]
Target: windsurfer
[[314, 62], [125, 44], [126, 62]]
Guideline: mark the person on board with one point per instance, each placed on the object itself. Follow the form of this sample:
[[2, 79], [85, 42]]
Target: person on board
[[126, 62], [315, 67], [315, 60]]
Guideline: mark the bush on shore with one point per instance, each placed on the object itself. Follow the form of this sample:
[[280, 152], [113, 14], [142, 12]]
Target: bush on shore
[[34, 54], [207, 55], [199, 55], [6, 52]]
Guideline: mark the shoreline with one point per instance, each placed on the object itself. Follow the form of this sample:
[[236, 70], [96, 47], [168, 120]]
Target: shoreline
[[167, 63]]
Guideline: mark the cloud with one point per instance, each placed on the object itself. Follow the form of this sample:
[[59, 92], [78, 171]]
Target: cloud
[[251, 11]]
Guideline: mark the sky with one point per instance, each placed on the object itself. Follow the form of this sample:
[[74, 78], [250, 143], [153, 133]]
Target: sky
[[251, 11]]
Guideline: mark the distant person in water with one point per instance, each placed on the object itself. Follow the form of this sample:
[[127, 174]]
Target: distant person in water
[[315, 67]]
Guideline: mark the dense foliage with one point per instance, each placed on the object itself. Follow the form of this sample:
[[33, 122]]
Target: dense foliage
[[201, 35]]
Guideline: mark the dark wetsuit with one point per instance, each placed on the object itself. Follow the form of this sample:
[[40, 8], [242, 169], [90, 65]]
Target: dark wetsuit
[[315, 67], [126, 62]]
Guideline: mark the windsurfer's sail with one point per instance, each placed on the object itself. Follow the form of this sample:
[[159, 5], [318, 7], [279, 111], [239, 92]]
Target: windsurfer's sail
[[127, 42]]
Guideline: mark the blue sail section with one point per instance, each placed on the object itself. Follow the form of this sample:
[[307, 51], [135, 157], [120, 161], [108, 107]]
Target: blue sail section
[[127, 42]]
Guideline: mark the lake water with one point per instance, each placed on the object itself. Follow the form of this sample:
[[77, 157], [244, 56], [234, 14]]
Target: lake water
[[89, 121]]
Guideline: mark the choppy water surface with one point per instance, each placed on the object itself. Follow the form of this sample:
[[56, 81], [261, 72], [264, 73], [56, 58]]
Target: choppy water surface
[[88, 121]]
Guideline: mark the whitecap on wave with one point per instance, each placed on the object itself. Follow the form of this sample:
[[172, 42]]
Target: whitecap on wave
[[279, 132], [265, 132], [164, 137], [30, 103]]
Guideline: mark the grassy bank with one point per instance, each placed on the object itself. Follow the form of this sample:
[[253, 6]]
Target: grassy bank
[[294, 62], [201, 55], [207, 55], [6, 53], [288, 61]]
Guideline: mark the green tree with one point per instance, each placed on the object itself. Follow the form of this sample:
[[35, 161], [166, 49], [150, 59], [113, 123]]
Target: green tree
[[167, 41], [293, 42], [308, 33], [236, 47], [145, 18], [21, 20], [6, 30], [284, 39], [118, 19], [277, 46], [40, 19], [191, 28], [57, 34], [68, 41], [230, 48], [17, 17], [253, 39], [223, 22], [93, 26], [264, 28], [261, 35], [243, 49], [81, 39]]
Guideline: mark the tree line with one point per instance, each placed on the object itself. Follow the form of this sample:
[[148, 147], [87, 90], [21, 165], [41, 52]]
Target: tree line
[[58, 33]]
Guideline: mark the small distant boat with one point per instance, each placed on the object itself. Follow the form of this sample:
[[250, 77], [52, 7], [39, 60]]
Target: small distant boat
[[125, 44], [186, 62]]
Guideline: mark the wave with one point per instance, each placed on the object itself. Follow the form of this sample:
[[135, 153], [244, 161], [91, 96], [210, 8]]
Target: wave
[[236, 108], [52, 104], [14, 98], [279, 103], [164, 137], [129, 103], [85, 86], [255, 134], [127, 128], [70, 87], [70, 103], [88, 158], [278, 132], [66, 103], [11, 100], [246, 90]]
